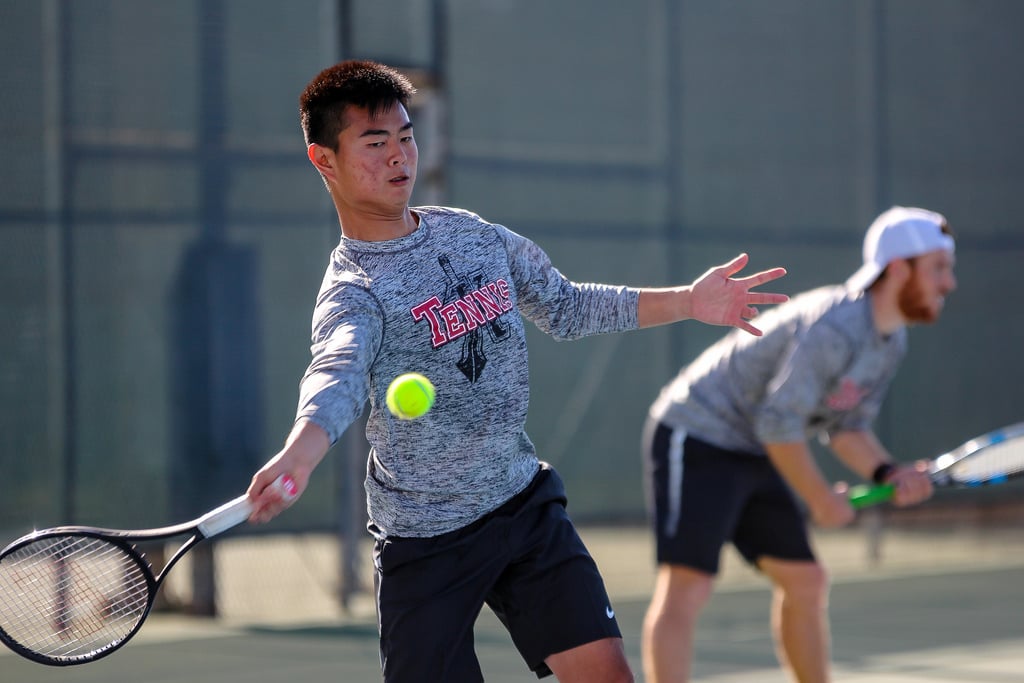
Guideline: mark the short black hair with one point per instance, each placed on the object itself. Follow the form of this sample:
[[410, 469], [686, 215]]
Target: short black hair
[[361, 83]]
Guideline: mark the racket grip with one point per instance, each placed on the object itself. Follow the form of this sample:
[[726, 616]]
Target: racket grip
[[235, 512], [866, 495]]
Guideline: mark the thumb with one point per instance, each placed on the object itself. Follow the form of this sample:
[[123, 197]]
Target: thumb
[[736, 265]]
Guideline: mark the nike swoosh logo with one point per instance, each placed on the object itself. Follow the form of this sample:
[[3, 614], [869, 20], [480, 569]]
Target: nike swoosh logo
[[609, 612]]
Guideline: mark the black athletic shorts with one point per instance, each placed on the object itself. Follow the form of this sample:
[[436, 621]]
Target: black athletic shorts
[[525, 560], [701, 497]]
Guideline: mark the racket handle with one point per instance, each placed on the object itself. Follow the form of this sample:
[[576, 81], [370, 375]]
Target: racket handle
[[233, 513], [865, 495]]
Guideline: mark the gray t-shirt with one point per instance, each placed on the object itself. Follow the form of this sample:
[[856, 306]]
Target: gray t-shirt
[[821, 367], [447, 301]]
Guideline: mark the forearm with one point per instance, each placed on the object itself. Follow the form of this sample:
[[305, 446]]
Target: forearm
[[795, 462], [663, 306], [860, 451], [305, 447]]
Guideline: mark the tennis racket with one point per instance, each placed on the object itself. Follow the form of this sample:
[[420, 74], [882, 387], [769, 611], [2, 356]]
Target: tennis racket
[[992, 458], [74, 594]]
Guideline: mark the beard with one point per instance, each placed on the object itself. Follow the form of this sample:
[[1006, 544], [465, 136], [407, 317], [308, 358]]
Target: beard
[[914, 304]]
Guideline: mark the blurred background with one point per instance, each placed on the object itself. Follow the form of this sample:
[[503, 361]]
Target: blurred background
[[163, 236]]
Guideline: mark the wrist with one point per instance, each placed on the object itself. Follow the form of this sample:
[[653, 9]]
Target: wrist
[[882, 472]]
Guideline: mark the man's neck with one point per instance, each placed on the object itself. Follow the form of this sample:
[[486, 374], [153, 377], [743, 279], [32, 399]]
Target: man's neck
[[377, 228], [886, 312]]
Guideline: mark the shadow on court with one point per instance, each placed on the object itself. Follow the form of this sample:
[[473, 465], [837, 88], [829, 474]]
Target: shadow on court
[[965, 626]]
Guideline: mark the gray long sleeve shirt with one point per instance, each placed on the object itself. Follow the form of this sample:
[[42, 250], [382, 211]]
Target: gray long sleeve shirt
[[447, 301], [821, 367]]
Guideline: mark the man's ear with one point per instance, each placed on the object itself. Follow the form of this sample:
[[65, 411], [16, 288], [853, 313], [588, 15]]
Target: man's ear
[[322, 158], [900, 270]]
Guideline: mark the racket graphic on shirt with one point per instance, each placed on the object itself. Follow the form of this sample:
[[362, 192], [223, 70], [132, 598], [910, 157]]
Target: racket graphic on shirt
[[74, 594], [992, 458], [472, 358], [464, 285]]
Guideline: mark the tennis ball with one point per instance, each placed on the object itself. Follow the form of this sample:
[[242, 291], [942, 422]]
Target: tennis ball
[[410, 396]]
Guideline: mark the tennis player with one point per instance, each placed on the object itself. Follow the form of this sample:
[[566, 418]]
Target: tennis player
[[726, 442], [462, 510]]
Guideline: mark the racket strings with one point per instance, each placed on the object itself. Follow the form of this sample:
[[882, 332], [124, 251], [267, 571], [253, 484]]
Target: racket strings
[[67, 596], [995, 463]]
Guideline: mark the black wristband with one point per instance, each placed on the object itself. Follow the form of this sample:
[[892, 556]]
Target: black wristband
[[882, 472]]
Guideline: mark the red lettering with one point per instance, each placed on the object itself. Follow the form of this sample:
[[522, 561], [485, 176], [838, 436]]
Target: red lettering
[[451, 321], [426, 310], [474, 316], [492, 307], [500, 289], [450, 316]]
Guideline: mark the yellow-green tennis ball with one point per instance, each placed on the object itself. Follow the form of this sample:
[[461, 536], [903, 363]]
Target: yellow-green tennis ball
[[410, 396]]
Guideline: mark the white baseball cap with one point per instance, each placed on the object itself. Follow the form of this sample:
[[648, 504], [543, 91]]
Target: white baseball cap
[[901, 232]]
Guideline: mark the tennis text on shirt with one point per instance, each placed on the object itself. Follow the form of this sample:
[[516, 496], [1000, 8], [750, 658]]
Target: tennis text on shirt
[[463, 315]]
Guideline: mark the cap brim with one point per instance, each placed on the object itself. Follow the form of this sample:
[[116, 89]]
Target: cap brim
[[864, 277]]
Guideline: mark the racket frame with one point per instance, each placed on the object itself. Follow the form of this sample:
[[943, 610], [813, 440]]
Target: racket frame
[[214, 522], [125, 542]]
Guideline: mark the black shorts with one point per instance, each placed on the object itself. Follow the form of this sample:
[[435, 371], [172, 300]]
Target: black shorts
[[701, 497], [525, 560]]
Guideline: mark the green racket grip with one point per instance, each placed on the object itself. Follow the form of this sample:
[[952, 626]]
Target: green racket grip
[[865, 495]]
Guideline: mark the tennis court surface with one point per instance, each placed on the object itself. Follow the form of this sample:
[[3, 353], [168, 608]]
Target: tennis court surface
[[939, 607]]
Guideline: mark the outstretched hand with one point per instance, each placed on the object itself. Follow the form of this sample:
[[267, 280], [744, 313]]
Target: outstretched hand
[[720, 299]]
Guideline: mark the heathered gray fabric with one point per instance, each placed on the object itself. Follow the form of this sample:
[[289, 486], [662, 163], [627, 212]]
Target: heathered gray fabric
[[443, 301], [821, 367]]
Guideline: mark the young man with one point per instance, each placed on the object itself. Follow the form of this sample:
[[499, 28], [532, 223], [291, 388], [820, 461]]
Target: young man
[[726, 442], [462, 511]]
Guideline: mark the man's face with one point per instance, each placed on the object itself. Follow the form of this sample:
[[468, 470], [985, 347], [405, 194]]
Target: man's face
[[923, 296], [377, 159]]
